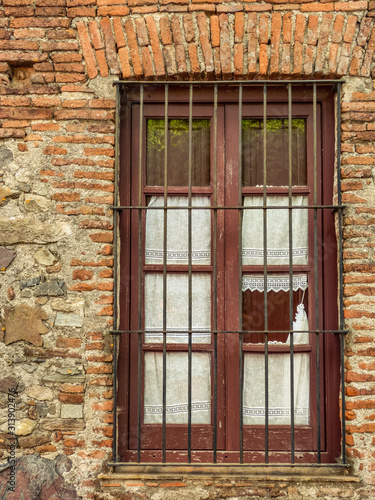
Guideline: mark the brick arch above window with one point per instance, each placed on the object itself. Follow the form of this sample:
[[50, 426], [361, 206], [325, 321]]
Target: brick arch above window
[[232, 44]]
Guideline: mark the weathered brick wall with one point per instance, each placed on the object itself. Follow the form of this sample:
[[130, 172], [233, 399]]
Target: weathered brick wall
[[58, 59]]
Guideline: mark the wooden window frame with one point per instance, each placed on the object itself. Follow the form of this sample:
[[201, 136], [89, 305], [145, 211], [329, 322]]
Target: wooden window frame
[[228, 443]]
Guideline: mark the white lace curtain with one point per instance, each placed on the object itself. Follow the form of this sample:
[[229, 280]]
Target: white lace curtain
[[177, 312]]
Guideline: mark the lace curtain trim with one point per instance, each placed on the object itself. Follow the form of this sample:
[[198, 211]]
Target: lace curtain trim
[[275, 283]]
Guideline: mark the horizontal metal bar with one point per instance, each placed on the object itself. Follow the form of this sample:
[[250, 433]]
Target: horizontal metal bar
[[227, 83], [228, 465], [115, 332], [234, 207]]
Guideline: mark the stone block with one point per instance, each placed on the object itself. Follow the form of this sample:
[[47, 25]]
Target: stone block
[[69, 319], [53, 288], [24, 322], [6, 257], [71, 411], [40, 393], [44, 257], [31, 230]]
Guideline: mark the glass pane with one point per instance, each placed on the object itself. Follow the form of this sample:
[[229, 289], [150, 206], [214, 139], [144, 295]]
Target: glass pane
[[177, 308], [277, 152], [177, 231], [178, 153], [279, 404], [277, 231], [278, 315], [177, 388]]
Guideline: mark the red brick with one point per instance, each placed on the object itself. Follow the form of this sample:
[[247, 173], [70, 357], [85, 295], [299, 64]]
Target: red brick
[[87, 114], [50, 11], [225, 52], [205, 43], [165, 31], [52, 150], [124, 56], [102, 237], [350, 28], [263, 59], [68, 342], [105, 406], [103, 358], [317, 7], [350, 6], [323, 42], [102, 62], [133, 47], [70, 398], [82, 274], [154, 40], [15, 123], [110, 46], [74, 443], [39, 23], [88, 52], [119, 33], [252, 44], [11, 132], [81, 12], [70, 388], [275, 42], [61, 34], [66, 197], [101, 381], [113, 11]]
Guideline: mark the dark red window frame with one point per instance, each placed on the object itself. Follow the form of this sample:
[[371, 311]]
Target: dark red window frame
[[143, 442]]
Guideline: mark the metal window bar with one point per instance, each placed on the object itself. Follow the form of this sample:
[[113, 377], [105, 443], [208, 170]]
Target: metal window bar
[[341, 270], [116, 338], [290, 223], [165, 244], [316, 275], [240, 217], [316, 208], [214, 278], [265, 295], [140, 262], [190, 291]]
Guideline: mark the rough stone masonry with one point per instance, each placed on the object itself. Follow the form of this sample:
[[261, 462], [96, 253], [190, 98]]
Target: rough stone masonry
[[58, 60]]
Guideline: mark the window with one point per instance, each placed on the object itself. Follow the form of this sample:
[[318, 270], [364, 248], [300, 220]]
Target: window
[[229, 349]]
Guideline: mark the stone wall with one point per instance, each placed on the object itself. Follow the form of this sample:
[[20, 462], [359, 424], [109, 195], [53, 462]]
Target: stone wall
[[58, 60]]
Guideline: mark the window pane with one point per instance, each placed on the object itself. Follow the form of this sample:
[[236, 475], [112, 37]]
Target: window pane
[[278, 315], [277, 231], [277, 152], [279, 407], [177, 308], [177, 231], [178, 152], [177, 388]]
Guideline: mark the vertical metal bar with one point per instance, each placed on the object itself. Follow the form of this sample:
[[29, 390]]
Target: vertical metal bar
[[115, 271], [190, 294], [140, 276], [214, 262], [290, 213], [165, 246], [316, 274], [240, 202], [265, 294], [341, 270]]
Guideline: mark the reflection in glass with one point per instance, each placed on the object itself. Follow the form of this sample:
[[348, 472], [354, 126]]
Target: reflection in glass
[[178, 152], [277, 152]]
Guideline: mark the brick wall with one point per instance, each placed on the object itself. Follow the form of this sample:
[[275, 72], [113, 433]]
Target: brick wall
[[58, 59]]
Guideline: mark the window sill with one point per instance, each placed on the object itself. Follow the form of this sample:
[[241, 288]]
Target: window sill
[[235, 474]]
